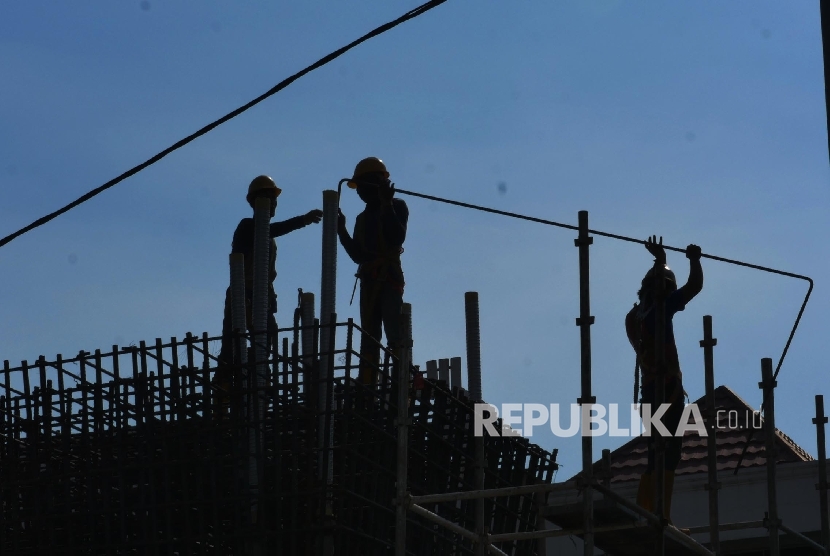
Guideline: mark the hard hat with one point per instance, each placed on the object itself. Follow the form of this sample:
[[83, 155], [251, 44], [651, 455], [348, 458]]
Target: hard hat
[[368, 166], [261, 183], [667, 273]]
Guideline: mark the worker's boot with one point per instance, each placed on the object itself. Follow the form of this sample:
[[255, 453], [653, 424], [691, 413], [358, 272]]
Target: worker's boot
[[645, 492], [669, 490]]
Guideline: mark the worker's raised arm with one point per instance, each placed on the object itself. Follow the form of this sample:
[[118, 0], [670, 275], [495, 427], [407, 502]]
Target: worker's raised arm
[[352, 247], [694, 284]]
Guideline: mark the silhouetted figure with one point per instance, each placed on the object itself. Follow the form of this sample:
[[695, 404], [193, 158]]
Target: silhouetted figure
[[377, 244], [640, 327], [243, 242]]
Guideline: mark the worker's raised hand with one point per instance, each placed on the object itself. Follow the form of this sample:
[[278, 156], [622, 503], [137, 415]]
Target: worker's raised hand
[[693, 252], [656, 249], [386, 191], [313, 217], [341, 221]]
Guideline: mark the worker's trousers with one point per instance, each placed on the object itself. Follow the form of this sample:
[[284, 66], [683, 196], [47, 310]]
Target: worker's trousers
[[380, 305], [670, 420]]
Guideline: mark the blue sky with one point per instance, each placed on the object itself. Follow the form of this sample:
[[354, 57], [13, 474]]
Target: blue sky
[[700, 121]]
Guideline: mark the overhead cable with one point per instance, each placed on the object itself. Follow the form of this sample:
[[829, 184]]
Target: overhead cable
[[633, 240], [274, 90]]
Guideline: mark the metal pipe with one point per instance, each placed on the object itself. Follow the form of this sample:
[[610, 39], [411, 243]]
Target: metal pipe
[[429, 499], [820, 421], [584, 323], [768, 385], [738, 525], [423, 512], [713, 485], [402, 377], [471, 318], [806, 540], [548, 533]]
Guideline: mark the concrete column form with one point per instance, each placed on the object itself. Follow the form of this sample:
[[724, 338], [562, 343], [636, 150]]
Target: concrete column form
[[473, 329]]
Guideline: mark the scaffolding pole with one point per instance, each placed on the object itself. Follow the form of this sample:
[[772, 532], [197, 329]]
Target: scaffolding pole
[[820, 420], [713, 485], [586, 400], [768, 384]]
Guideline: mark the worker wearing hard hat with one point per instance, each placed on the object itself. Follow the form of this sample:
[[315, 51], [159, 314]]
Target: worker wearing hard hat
[[243, 242], [640, 328], [377, 244]]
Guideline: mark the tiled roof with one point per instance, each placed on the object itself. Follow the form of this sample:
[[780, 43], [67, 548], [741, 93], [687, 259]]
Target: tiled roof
[[629, 461]]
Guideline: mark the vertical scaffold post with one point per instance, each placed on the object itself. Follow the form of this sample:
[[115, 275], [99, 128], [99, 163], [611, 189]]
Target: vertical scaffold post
[[259, 324], [820, 421], [768, 385], [473, 345], [586, 400], [402, 423], [659, 399], [481, 527], [713, 486]]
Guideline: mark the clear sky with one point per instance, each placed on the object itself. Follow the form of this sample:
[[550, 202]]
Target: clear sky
[[700, 121]]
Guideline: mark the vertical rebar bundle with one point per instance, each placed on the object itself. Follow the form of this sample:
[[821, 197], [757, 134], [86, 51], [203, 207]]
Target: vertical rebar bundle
[[307, 334], [471, 318], [584, 323], [707, 344], [240, 342], [768, 385], [259, 324]]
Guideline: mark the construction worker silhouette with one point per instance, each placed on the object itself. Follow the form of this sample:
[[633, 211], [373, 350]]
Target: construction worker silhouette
[[640, 327], [376, 246], [243, 242]]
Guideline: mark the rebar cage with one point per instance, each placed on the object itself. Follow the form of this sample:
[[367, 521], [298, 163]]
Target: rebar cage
[[141, 450]]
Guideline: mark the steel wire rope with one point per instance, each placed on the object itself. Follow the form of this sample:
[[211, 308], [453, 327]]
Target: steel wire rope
[[633, 240], [423, 8]]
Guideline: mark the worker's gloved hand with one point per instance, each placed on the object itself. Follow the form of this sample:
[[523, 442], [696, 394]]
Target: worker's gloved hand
[[313, 216], [693, 252], [656, 249], [386, 190], [341, 221]]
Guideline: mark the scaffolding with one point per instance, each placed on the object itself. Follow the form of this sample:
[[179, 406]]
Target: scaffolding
[[608, 520]]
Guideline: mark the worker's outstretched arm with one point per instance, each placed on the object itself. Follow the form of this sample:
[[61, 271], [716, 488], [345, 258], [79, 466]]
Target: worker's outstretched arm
[[352, 248], [287, 226], [694, 284]]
